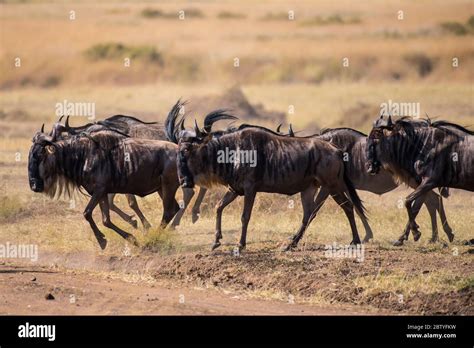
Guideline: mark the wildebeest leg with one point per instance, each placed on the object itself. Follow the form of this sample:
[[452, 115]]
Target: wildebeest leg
[[132, 203], [197, 204], [406, 232], [432, 204], [348, 208], [188, 194], [420, 192], [119, 212], [95, 199], [310, 209], [442, 214], [368, 231], [228, 198], [167, 193], [249, 199], [104, 207], [435, 202]]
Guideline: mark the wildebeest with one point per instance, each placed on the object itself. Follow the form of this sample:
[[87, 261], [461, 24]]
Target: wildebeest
[[284, 165], [135, 128], [103, 163], [354, 144], [424, 155]]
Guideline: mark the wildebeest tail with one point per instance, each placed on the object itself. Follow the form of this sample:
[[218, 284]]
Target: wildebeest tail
[[356, 201], [170, 123]]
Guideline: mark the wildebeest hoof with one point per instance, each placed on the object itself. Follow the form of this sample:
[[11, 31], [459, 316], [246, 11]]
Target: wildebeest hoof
[[366, 239], [132, 240], [102, 242], [451, 237], [216, 245], [289, 247], [416, 235], [195, 217], [134, 223], [355, 242], [241, 247], [433, 240], [146, 225], [398, 243]]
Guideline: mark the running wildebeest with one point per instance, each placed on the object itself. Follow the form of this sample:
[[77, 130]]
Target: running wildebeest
[[424, 155], [283, 165], [353, 144], [103, 163], [135, 128]]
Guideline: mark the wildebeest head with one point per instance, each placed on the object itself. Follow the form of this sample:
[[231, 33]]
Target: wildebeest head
[[41, 162], [190, 141], [381, 127]]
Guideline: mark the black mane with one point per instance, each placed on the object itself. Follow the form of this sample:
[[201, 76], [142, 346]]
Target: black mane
[[327, 130]]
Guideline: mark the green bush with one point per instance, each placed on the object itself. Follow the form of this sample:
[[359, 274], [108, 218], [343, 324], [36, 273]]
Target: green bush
[[230, 15], [422, 63], [119, 51], [454, 28]]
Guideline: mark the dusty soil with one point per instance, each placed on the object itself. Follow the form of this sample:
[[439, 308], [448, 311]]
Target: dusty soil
[[23, 290], [257, 282]]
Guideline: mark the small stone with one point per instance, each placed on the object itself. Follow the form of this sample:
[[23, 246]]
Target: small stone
[[49, 296], [33, 279]]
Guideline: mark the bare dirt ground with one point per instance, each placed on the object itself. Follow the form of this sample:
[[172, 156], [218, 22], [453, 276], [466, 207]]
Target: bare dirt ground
[[263, 281], [23, 290]]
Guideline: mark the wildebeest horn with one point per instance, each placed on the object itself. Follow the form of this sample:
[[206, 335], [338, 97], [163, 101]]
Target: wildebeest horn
[[197, 130], [290, 131], [389, 122], [215, 116], [66, 124], [170, 123], [278, 128], [42, 128], [60, 118]]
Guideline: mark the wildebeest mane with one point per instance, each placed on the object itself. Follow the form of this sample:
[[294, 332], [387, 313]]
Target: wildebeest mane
[[445, 124], [328, 130], [119, 118]]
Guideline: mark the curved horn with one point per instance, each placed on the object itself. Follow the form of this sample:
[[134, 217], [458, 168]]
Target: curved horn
[[278, 128], [389, 121], [215, 116], [290, 131], [197, 130], [66, 124], [60, 118], [42, 128]]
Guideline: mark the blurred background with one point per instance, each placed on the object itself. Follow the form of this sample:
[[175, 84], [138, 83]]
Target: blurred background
[[280, 61]]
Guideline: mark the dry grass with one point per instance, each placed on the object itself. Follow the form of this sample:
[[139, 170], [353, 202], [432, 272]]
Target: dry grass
[[365, 33]]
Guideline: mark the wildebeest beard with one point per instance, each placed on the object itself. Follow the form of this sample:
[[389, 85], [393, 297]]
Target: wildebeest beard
[[413, 146], [75, 157]]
